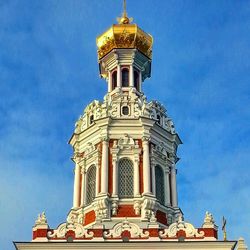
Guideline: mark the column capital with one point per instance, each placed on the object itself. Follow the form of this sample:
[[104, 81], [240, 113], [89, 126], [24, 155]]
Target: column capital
[[145, 139], [104, 138], [83, 170]]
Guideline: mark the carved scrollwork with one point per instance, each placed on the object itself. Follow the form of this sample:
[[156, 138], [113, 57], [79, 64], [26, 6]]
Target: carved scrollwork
[[174, 228], [119, 228], [62, 230]]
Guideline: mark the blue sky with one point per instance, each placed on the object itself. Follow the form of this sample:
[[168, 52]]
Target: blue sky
[[49, 73]]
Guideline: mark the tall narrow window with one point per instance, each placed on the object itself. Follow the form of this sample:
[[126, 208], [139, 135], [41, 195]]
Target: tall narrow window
[[90, 184], [114, 80], [125, 178], [125, 78], [159, 184], [136, 80]]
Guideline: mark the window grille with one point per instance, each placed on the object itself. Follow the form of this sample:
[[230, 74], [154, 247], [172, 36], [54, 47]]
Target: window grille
[[159, 184], [90, 184], [126, 178], [125, 78]]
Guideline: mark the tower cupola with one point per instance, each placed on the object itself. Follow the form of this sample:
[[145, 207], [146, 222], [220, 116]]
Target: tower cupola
[[124, 54]]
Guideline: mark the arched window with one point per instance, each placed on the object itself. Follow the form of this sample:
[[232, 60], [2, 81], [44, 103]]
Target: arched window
[[136, 80], [125, 178], [90, 184], [125, 78], [159, 184], [114, 80]]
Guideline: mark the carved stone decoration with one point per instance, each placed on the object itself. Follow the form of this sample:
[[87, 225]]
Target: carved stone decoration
[[62, 230], [119, 228], [148, 207], [137, 207], [174, 228], [101, 209], [41, 219], [114, 207], [209, 221]]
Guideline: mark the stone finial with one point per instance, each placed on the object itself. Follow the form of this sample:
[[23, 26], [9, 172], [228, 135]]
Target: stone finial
[[209, 221], [241, 244], [41, 219]]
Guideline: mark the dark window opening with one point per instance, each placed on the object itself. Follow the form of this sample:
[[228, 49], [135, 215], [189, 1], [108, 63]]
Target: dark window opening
[[159, 119], [159, 184], [114, 80], [125, 110], [91, 119], [136, 80], [125, 78]]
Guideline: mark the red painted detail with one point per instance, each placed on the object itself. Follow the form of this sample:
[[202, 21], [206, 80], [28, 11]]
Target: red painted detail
[[126, 211], [161, 217], [110, 176], [126, 234], [70, 233], [40, 233], [89, 217], [181, 233], [97, 232], [153, 232], [209, 232]]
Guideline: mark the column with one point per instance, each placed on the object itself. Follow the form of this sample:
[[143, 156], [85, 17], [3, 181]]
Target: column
[[110, 82], [173, 186], [136, 178], [76, 200], [119, 82], [146, 165], [83, 192], [131, 76], [167, 188], [97, 179], [104, 172], [153, 180], [115, 178]]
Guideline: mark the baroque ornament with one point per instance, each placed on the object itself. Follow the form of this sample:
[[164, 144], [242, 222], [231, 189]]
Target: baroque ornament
[[181, 225], [119, 228]]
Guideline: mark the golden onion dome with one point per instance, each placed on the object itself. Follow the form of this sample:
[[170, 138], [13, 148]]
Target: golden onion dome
[[124, 35]]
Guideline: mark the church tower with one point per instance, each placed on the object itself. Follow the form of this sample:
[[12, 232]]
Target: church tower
[[125, 156], [125, 147]]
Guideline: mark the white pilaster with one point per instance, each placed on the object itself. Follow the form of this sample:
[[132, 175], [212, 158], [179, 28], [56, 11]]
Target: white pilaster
[[83, 189], [110, 82], [140, 81], [153, 180], [131, 76], [136, 178], [146, 165], [104, 172], [115, 178], [167, 188], [76, 201], [173, 186], [119, 82]]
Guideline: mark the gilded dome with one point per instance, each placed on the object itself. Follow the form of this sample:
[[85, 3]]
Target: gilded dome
[[124, 35]]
